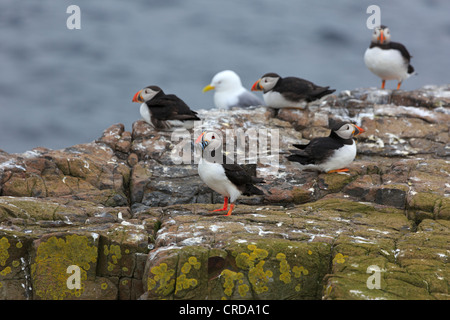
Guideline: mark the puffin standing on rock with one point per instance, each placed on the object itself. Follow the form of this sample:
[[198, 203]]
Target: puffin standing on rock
[[388, 60], [230, 93], [164, 111], [224, 177], [329, 154], [288, 92]]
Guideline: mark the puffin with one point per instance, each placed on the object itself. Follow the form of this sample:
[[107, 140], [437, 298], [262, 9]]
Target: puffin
[[288, 92], [164, 111], [230, 93], [222, 175], [388, 60], [329, 154]]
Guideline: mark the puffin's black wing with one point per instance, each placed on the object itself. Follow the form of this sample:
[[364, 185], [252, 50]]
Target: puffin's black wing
[[241, 179], [316, 151], [404, 52], [398, 46], [296, 89], [170, 107]]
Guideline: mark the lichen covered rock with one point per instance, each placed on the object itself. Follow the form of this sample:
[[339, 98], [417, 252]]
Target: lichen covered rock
[[127, 220]]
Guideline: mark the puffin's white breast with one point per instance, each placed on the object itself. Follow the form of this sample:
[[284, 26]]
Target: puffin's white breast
[[341, 158], [387, 64], [145, 113], [213, 174], [276, 100]]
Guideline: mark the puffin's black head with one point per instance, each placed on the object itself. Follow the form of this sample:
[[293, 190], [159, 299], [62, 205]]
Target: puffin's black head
[[266, 82], [344, 130], [381, 35], [147, 94]]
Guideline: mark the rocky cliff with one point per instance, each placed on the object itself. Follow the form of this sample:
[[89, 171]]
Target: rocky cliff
[[119, 218]]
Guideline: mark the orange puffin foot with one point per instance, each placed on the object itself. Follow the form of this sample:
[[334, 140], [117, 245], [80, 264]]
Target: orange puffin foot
[[339, 170], [229, 211], [225, 205]]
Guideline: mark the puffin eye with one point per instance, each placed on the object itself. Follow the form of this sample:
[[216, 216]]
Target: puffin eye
[[213, 137]]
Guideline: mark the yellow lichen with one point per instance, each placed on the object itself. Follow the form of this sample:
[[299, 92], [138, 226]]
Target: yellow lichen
[[163, 276], [15, 263], [104, 286], [183, 282], [193, 261], [53, 257], [254, 263], [5, 271], [114, 254], [339, 258], [285, 269], [186, 268], [243, 289], [230, 277], [19, 245], [259, 278], [4, 246], [281, 256], [298, 271], [243, 260]]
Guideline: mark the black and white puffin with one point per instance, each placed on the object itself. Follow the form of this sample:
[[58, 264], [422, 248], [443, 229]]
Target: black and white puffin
[[288, 92], [222, 175], [388, 60], [164, 111], [329, 154]]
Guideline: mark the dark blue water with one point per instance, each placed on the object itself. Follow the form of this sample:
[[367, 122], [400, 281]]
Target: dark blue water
[[60, 87]]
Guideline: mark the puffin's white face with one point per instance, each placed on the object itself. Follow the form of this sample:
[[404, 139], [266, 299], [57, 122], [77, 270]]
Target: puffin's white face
[[267, 83], [146, 94], [381, 35], [210, 140], [348, 130], [223, 81]]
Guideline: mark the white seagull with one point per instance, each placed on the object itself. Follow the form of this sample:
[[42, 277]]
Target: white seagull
[[229, 91]]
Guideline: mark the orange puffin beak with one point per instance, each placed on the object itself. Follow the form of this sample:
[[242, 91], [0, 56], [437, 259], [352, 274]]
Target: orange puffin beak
[[200, 137], [358, 130], [256, 86], [381, 38], [138, 97]]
